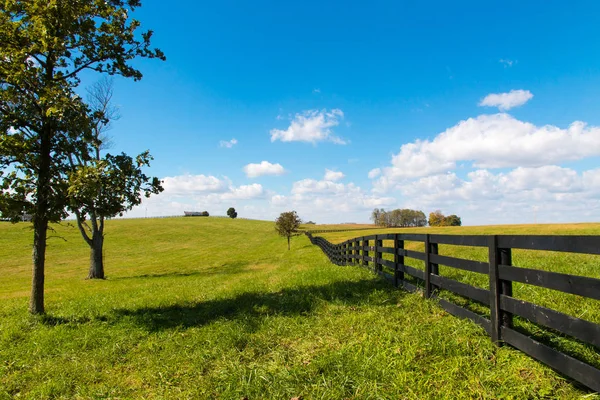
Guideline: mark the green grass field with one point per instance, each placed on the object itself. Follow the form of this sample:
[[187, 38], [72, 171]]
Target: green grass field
[[218, 308]]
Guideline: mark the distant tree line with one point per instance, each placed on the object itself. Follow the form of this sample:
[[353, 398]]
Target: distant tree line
[[398, 218], [405, 217], [436, 218]]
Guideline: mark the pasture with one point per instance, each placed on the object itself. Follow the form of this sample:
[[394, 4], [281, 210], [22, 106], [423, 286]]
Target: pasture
[[218, 308]]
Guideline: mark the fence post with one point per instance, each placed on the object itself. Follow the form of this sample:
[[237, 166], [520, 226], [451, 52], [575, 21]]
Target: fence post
[[356, 250], [365, 252], [506, 287], [433, 249], [378, 243], [398, 260], [427, 268], [499, 318]]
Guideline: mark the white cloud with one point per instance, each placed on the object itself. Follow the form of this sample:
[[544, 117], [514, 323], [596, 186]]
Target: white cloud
[[316, 90], [507, 63], [194, 184], [320, 187], [333, 176], [374, 173], [506, 101], [492, 141], [311, 126], [560, 193], [228, 143], [262, 169], [198, 193], [327, 201], [244, 192]]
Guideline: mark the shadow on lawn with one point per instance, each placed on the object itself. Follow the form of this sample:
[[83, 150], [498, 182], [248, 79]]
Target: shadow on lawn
[[251, 308], [230, 268]]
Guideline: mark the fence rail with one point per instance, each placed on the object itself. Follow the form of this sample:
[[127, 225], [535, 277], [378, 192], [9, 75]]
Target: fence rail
[[368, 251]]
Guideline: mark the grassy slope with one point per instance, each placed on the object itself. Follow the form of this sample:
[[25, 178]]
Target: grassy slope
[[206, 307]]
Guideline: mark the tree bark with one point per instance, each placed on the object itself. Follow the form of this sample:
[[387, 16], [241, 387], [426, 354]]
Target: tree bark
[[40, 224], [96, 259], [40, 229], [288, 242]]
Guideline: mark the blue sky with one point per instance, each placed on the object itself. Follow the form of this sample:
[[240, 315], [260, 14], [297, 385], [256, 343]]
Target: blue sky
[[393, 95]]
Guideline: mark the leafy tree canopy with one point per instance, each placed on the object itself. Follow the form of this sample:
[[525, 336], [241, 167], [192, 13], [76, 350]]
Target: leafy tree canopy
[[231, 213], [287, 225]]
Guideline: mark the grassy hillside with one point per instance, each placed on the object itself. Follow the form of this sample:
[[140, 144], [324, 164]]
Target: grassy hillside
[[217, 308]]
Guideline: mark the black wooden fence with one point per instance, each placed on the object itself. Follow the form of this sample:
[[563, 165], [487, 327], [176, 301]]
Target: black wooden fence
[[503, 306]]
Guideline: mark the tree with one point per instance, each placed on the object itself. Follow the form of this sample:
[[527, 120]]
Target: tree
[[45, 47], [104, 187], [287, 225], [376, 215], [436, 218], [452, 220], [231, 213]]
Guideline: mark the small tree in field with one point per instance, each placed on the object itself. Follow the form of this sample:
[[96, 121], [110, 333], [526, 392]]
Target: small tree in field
[[287, 225], [231, 213]]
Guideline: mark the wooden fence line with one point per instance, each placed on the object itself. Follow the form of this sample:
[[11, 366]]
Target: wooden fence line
[[367, 251]]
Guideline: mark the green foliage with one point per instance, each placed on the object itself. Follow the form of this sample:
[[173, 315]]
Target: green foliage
[[46, 44], [112, 185], [266, 324], [287, 225], [452, 220], [231, 213], [436, 218], [398, 218]]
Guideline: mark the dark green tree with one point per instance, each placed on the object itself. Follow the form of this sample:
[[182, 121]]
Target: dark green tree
[[44, 46], [231, 213], [287, 225], [452, 220], [104, 188]]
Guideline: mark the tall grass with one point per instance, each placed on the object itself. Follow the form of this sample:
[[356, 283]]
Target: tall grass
[[218, 308]]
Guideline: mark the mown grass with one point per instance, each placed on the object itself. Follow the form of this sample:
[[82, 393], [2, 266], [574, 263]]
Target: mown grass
[[217, 308]]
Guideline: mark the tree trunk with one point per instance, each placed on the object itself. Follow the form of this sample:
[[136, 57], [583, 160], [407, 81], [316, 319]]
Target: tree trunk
[[96, 260], [40, 224], [288, 242], [40, 229]]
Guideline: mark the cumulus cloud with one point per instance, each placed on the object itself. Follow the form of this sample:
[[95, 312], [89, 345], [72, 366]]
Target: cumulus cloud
[[561, 193], [374, 173], [262, 169], [320, 187], [311, 126], [228, 143], [492, 141], [506, 101], [244, 192], [330, 201], [333, 176], [194, 184], [198, 193]]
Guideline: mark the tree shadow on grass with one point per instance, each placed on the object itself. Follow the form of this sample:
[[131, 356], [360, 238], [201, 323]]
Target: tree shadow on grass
[[250, 308], [230, 268]]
